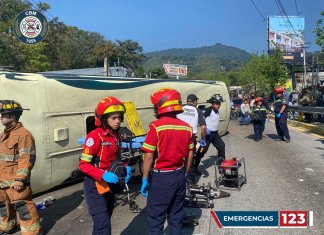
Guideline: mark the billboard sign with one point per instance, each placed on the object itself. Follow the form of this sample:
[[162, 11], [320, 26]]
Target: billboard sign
[[287, 33], [175, 69]]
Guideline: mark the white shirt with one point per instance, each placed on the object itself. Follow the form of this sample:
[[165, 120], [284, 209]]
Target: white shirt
[[212, 121], [190, 116]]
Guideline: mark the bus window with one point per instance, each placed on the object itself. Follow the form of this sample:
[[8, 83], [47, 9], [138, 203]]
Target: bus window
[[90, 124]]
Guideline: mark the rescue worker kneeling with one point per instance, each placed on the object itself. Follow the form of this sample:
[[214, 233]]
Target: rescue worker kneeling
[[100, 156], [17, 158], [171, 138]]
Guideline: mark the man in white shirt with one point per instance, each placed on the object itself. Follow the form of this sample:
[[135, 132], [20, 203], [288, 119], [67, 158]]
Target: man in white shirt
[[212, 122], [195, 118]]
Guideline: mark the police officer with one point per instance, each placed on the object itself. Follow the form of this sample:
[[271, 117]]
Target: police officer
[[194, 117], [17, 158], [171, 140], [259, 114], [212, 121], [101, 148], [281, 114]]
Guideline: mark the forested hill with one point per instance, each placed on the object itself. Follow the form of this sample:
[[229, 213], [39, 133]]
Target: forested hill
[[202, 60]]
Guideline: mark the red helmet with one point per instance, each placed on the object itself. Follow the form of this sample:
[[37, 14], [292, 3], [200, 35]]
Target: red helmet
[[167, 100], [107, 105], [258, 99], [279, 90]]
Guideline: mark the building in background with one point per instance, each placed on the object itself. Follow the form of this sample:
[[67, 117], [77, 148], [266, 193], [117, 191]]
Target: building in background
[[287, 33]]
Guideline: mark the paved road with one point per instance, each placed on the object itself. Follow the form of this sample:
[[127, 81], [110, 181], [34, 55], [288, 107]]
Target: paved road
[[280, 176]]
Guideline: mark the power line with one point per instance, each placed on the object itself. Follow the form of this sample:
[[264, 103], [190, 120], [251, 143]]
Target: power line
[[285, 14], [264, 19]]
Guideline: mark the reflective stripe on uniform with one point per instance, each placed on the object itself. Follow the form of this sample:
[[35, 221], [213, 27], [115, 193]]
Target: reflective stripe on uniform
[[9, 157], [23, 171], [6, 183], [173, 127], [31, 228], [7, 226], [86, 157], [149, 147], [29, 150], [191, 146]]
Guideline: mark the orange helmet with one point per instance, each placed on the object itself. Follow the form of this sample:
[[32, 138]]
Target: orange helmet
[[258, 99], [166, 100], [279, 90], [107, 105]]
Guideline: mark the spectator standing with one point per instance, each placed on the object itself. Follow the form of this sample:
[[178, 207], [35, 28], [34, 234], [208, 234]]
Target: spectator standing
[[245, 110]]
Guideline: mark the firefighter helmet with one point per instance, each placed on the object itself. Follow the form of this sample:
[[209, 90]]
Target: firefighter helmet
[[279, 90], [258, 99], [166, 100], [10, 106], [217, 98], [108, 105]]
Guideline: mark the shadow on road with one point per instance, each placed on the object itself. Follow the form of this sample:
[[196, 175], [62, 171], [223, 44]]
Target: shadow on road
[[320, 140], [272, 136], [138, 225], [59, 209]]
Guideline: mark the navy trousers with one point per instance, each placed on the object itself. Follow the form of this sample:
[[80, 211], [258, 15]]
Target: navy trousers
[[100, 207], [165, 200], [214, 139], [258, 129], [281, 126]]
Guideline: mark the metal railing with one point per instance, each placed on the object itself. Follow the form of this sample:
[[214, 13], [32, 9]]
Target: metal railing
[[307, 109]]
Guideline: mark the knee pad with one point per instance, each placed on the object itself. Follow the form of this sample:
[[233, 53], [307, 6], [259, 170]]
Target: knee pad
[[3, 209], [22, 210]]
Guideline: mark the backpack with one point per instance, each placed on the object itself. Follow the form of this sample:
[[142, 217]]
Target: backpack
[[118, 167]]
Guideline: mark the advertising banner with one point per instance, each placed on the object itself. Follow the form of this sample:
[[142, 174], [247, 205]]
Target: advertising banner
[[175, 69], [287, 33]]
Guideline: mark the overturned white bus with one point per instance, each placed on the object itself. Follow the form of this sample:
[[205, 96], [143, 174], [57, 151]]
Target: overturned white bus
[[62, 110]]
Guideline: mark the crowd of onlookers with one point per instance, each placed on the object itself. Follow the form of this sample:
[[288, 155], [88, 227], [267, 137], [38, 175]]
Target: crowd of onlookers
[[306, 97]]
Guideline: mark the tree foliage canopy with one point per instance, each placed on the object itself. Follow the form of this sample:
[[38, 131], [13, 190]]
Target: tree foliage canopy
[[65, 47], [319, 31], [262, 74]]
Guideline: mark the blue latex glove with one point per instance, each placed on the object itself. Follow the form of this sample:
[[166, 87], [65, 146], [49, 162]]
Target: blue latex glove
[[278, 115], [110, 177], [144, 188], [207, 131], [129, 174], [202, 143]]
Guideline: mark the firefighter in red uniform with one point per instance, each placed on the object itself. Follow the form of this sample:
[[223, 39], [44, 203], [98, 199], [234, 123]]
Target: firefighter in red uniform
[[17, 158], [101, 148], [171, 140]]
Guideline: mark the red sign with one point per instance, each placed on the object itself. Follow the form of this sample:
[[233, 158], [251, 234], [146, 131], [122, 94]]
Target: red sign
[[293, 218]]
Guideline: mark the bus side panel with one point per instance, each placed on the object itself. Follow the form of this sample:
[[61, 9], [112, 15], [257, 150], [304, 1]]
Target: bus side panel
[[29, 91]]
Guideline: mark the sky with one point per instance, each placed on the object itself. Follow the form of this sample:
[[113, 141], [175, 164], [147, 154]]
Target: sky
[[164, 24]]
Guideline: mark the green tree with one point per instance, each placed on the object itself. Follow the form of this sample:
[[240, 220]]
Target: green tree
[[32, 58], [157, 73], [262, 74], [319, 31], [129, 53]]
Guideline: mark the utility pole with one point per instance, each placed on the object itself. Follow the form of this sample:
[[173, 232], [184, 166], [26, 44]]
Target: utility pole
[[106, 67], [304, 74]]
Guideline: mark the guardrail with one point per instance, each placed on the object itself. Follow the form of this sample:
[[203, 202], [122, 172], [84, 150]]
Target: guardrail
[[307, 109]]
